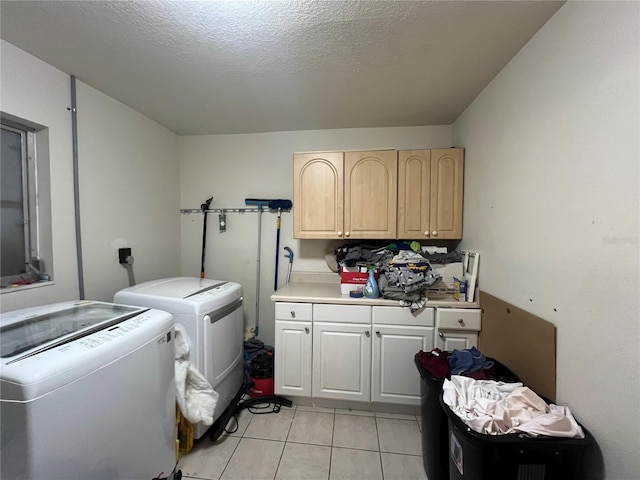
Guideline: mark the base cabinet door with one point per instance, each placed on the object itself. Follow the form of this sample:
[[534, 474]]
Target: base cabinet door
[[455, 340], [292, 359], [395, 378], [457, 328], [342, 361]]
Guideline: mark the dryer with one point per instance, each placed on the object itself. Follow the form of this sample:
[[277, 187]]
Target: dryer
[[87, 391], [211, 312]]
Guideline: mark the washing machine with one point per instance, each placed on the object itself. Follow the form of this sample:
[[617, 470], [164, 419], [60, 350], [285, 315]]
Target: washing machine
[[211, 312], [87, 392]]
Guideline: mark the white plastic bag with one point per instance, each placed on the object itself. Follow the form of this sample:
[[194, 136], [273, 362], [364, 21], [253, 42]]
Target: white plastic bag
[[195, 396]]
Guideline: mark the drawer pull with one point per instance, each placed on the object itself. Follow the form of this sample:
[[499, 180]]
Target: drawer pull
[[461, 322], [293, 314]]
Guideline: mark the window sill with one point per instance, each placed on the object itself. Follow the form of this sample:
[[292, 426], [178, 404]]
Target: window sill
[[21, 288]]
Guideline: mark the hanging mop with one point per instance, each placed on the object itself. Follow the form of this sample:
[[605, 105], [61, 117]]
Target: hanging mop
[[272, 205]]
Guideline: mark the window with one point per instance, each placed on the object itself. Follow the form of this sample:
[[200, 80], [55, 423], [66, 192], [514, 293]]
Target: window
[[25, 216]]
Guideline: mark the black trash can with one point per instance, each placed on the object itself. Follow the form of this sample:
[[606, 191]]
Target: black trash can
[[514, 456], [435, 444]]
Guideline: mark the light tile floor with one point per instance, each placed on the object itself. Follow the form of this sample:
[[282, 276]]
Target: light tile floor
[[302, 443]]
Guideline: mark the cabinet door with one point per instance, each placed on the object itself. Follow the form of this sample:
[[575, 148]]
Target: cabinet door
[[370, 194], [292, 358], [318, 195], [451, 340], [447, 177], [395, 378], [341, 361], [414, 194]]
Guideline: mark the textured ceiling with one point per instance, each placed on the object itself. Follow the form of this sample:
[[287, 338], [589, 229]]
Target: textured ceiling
[[211, 67]]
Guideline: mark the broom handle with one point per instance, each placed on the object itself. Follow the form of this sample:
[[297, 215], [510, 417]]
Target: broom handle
[[204, 207], [204, 244], [275, 281], [258, 270]]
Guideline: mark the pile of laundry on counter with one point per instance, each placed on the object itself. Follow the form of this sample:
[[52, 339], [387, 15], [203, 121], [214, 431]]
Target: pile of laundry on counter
[[405, 272]]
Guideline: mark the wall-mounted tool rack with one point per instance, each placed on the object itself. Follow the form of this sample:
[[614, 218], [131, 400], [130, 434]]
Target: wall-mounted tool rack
[[224, 210]]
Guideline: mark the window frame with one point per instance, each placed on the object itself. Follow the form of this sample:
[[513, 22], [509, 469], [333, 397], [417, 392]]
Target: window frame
[[36, 267]]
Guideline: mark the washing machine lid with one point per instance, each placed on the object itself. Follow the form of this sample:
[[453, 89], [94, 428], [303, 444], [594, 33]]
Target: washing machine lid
[[177, 287], [29, 331]]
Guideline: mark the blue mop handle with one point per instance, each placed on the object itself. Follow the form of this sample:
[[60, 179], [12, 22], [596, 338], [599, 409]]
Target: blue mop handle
[[275, 280]]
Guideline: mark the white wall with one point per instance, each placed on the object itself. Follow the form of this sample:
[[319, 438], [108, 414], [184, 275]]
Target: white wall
[[129, 180], [552, 205], [232, 168], [33, 90]]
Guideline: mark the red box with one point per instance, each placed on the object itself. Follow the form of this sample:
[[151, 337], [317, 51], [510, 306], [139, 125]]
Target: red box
[[354, 278]]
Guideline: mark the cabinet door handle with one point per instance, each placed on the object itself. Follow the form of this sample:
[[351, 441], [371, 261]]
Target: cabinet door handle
[[367, 333], [440, 335], [293, 314], [346, 234], [339, 233], [378, 332], [426, 234], [434, 233], [306, 329]]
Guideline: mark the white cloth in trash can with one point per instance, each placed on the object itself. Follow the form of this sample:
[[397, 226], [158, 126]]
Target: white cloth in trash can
[[496, 408]]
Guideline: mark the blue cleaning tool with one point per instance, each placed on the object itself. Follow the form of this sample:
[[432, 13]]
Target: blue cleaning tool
[[290, 257]]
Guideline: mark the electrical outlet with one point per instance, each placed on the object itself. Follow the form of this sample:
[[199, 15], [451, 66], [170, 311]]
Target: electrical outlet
[[123, 253]]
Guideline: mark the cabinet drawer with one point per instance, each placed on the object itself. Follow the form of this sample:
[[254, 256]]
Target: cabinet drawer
[[342, 313], [402, 316], [293, 311], [458, 318]]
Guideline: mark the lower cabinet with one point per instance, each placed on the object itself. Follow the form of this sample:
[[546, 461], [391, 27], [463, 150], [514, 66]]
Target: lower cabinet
[[457, 328], [350, 352], [451, 340], [292, 359], [341, 361], [395, 378]]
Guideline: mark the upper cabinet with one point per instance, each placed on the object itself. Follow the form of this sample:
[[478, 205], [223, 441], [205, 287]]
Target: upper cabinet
[[430, 188], [370, 194], [378, 194], [318, 195], [345, 195]]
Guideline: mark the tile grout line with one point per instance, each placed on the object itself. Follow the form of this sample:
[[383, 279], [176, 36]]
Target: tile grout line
[[226, 465], [379, 449], [333, 432], [237, 445], [284, 447]]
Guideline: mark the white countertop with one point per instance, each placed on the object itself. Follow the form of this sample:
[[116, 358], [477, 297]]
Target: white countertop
[[324, 289]]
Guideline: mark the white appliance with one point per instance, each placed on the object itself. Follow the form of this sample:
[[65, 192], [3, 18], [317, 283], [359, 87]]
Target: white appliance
[[211, 313], [87, 392]]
